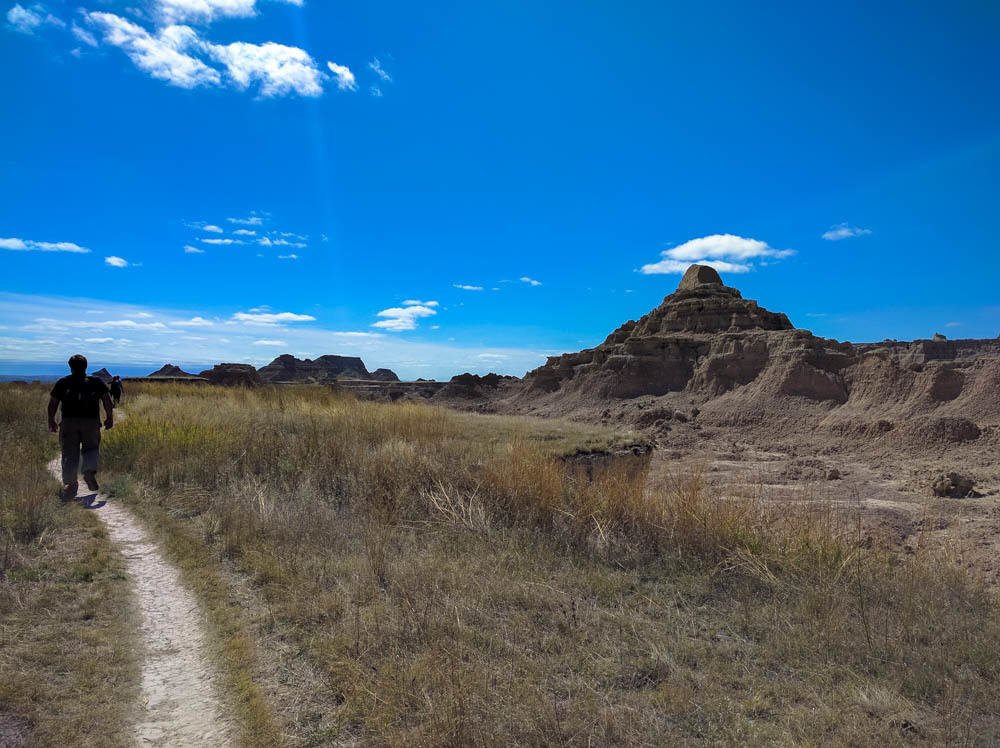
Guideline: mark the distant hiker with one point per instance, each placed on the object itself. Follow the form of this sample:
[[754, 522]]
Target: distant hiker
[[116, 389], [80, 428]]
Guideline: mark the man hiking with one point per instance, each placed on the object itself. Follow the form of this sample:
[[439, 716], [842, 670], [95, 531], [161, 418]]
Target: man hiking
[[80, 428], [116, 389]]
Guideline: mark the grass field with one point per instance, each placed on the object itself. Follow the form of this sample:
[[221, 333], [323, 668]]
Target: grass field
[[402, 574], [68, 668]]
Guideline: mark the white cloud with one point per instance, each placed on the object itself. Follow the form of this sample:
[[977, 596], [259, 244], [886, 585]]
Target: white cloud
[[46, 323], [28, 245], [344, 77], [376, 67], [724, 246], [676, 266], [84, 36], [221, 241], [953, 324], [467, 288], [270, 342], [403, 318], [724, 252], [414, 302], [163, 56], [212, 229], [844, 231], [193, 322], [268, 242], [116, 262], [272, 318], [245, 232], [188, 249], [251, 221], [24, 20], [409, 358], [98, 340], [530, 281], [206, 11], [375, 91], [288, 257], [278, 69]]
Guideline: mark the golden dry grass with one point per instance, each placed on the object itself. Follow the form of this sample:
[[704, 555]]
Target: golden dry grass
[[413, 576], [68, 640]]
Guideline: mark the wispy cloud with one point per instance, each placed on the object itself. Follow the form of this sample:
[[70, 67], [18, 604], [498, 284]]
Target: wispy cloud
[[245, 232], [83, 35], [212, 229], [188, 249], [344, 77], [164, 56], [375, 91], [65, 322], [530, 281], [116, 262], [288, 257], [844, 231], [376, 67], [193, 322], [724, 252], [181, 56], [270, 342], [222, 241], [252, 220], [28, 20], [467, 288], [398, 319], [270, 318], [415, 302], [206, 11], [29, 245], [277, 69]]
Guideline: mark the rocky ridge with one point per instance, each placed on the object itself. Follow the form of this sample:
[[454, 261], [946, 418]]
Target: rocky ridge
[[740, 366], [330, 368], [169, 370]]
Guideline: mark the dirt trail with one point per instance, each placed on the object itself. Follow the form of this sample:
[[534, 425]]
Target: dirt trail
[[179, 705]]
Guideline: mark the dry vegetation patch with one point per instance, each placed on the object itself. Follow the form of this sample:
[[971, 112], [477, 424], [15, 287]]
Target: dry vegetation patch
[[68, 671], [419, 576]]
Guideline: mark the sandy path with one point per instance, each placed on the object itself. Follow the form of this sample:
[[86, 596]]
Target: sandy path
[[179, 705]]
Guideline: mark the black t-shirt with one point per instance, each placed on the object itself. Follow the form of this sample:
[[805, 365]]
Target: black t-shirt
[[80, 396]]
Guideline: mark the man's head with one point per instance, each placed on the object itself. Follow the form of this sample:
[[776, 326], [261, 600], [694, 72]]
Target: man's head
[[117, 378], [78, 364]]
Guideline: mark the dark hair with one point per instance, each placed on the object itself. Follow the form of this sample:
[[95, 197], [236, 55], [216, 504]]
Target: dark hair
[[78, 364]]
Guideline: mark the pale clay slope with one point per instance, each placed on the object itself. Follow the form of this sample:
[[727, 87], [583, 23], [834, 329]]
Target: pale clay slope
[[179, 704]]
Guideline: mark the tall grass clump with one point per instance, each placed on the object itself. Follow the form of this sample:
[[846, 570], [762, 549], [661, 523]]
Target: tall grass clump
[[441, 578], [27, 493]]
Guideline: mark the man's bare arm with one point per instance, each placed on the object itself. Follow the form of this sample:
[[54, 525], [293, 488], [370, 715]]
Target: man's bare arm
[[53, 407], [109, 422]]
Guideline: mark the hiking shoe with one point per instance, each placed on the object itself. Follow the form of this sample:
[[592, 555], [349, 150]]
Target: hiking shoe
[[69, 491], [90, 478]]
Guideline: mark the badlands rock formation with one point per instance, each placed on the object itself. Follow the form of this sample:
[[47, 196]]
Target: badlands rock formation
[[742, 366], [232, 375], [169, 370], [287, 368]]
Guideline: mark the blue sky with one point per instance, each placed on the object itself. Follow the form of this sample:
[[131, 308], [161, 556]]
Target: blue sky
[[442, 187]]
